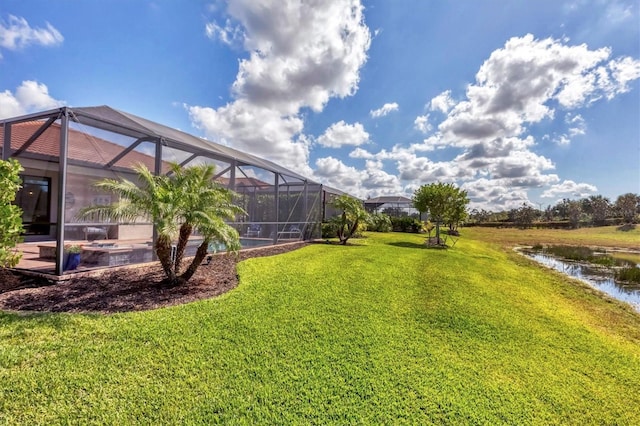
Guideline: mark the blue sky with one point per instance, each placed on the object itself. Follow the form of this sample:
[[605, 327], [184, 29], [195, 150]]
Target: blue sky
[[514, 101]]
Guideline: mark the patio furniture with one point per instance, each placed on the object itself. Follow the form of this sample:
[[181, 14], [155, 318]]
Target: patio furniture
[[95, 232], [291, 232], [253, 231]]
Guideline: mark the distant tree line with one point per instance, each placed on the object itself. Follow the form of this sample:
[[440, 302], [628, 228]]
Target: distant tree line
[[595, 210]]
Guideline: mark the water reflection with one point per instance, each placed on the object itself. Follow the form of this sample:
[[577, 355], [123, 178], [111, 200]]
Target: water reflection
[[599, 278]]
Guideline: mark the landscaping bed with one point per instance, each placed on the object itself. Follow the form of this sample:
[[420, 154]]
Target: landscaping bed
[[123, 290]]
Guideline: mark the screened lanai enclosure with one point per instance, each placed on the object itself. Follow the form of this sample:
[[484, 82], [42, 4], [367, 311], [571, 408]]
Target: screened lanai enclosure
[[66, 150]]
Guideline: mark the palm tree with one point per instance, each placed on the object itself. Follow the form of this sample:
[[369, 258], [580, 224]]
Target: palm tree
[[204, 206], [177, 203], [352, 215]]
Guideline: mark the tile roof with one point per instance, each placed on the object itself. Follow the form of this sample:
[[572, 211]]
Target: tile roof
[[388, 199], [81, 146]]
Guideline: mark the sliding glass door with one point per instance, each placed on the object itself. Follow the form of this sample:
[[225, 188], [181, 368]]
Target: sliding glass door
[[34, 198]]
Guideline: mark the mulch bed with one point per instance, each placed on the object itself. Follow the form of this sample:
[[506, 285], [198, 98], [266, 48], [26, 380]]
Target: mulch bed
[[124, 290]]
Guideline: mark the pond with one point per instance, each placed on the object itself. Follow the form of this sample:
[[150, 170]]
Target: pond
[[599, 278]]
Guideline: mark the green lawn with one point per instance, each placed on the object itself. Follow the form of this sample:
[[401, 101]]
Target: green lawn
[[383, 331]]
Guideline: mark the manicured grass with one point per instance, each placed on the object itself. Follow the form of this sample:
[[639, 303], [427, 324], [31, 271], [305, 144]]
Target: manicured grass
[[383, 331]]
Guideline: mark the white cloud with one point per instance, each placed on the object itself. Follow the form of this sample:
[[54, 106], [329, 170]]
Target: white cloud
[[371, 181], [30, 96], [341, 133], [422, 124], [576, 123], [423, 170], [524, 82], [301, 54], [260, 131], [576, 126], [229, 34], [361, 153], [9, 105], [442, 102], [494, 195], [384, 110], [380, 181], [623, 70], [570, 189], [562, 140], [335, 173], [521, 83], [17, 34], [482, 143]]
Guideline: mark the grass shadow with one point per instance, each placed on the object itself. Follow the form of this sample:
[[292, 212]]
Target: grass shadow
[[335, 243], [405, 244]]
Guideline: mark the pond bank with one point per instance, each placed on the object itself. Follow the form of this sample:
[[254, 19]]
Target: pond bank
[[600, 278]]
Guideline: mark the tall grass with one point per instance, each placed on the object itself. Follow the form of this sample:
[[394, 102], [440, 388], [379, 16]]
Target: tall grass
[[629, 274], [586, 254], [603, 236], [383, 331]]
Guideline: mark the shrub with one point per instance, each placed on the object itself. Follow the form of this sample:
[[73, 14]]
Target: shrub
[[10, 214], [380, 222], [330, 229], [72, 248], [406, 224]]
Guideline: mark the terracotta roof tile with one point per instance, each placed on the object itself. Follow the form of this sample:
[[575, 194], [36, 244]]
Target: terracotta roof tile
[[81, 146]]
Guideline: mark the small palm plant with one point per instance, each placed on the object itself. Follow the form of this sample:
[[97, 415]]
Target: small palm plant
[[176, 203], [353, 214]]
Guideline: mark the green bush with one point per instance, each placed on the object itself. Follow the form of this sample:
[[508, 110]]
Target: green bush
[[380, 222], [329, 229], [10, 214], [406, 224]]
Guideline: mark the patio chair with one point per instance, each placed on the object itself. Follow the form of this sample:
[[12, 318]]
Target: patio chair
[[253, 231], [290, 232]]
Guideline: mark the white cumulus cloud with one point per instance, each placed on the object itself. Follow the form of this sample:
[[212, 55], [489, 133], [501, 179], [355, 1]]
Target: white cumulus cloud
[[569, 188], [301, 54], [341, 133], [384, 110], [526, 81], [16, 33], [360, 183], [30, 96], [422, 124], [442, 102]]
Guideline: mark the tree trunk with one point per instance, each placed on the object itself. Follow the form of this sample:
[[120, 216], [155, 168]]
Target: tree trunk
[[350, 232], [163, 250], [343, 223], [196, 262], [183, 239], [438, 232]]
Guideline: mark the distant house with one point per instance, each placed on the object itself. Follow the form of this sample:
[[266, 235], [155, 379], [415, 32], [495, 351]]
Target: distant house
[[391, 205]]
